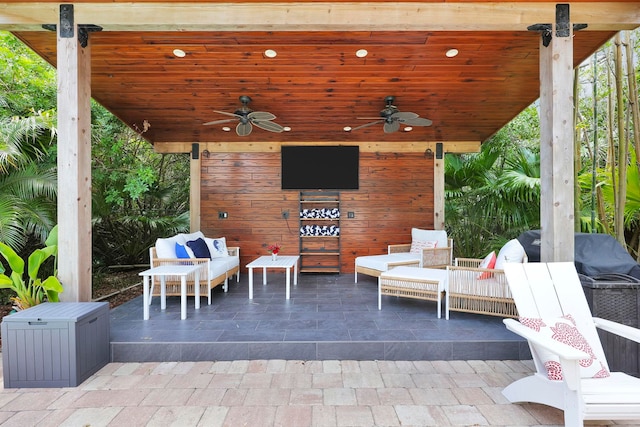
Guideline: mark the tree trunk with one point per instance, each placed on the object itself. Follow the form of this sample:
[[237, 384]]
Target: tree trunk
[[577, 163], [610, 164], [633, 97], [602, 212], [621, 194]]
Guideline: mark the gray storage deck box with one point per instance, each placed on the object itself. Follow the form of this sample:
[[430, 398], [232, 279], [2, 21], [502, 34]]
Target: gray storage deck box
[[55, 344]]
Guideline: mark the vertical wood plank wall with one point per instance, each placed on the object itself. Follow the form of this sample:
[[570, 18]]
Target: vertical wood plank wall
[[395, 194]]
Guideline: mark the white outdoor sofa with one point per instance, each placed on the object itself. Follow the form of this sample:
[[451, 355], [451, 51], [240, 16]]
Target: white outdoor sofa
[[222, 263], [439, 254]]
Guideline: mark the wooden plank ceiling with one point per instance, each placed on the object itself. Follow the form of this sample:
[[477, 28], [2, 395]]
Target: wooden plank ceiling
[[316, 85]]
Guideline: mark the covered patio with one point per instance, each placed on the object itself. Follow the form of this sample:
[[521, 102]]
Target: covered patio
[[164, 67]]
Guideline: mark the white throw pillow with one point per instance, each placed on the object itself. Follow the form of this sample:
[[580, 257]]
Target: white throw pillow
[[166, 248], [512, 251], [439, 236], [217, 247], [418, 245], [563, 329]]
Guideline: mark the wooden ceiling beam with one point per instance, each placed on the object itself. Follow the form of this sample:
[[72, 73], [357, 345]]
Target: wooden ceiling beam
[[320, 16]]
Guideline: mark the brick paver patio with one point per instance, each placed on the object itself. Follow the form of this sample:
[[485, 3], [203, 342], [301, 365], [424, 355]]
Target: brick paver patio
[[285, 393]]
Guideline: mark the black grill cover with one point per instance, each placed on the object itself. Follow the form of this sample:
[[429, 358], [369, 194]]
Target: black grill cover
[[595, 254]]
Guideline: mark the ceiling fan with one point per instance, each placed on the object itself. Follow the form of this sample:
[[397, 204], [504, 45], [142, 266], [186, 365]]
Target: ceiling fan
[[392, 117], [246, 118]]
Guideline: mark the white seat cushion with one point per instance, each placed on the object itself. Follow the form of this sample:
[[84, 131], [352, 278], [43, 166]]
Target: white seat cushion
[[217, 267], [381, 262], [416, 273], [231, 261]]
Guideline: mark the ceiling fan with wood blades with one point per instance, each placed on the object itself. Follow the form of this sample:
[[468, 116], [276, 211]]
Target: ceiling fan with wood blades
[[392, 118], [246, 118]]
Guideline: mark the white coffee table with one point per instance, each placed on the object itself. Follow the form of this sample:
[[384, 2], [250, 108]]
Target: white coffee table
[[283, 261], [162, 272]]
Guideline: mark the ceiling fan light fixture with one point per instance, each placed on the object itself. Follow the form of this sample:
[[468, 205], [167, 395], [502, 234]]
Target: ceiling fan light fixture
[[452, 53], [270, 53], [391, 119], [362, 53], [247, 119], [347, 128], [286, 129], [179, 53]]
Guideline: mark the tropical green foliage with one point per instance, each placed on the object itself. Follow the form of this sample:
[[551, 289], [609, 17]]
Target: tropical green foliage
[[27, 178], [607, 135], [494, 195], [136, 192], [34, 290], [27, 83]]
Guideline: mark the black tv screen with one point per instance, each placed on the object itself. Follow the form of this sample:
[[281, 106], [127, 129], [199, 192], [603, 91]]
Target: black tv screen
[[323, 167]]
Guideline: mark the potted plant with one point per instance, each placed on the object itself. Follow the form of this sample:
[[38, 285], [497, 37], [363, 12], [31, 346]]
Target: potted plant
[[34, 290], [274, 250]]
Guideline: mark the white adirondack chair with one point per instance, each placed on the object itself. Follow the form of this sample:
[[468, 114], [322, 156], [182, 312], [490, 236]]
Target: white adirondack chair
[[548, 291]]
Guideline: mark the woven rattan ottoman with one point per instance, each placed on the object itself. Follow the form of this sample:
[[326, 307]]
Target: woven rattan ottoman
[[413, 282]]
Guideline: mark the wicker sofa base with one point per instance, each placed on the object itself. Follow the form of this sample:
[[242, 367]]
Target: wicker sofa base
[[479, 290], [501, 307], [411, 291]]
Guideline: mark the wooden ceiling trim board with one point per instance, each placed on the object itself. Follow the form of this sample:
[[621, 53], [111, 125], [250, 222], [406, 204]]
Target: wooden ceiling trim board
[[321, 16], [367, 147]]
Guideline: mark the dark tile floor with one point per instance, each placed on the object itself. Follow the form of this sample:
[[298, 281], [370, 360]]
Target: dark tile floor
[[327, 317]]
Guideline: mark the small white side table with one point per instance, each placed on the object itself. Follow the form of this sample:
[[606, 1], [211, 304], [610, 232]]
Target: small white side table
[[283, 261], [162, 272]]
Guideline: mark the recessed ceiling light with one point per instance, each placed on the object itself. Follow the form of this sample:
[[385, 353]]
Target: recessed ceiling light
[[408, 129], [361, 53], [286, 129], [226, 128], [270, 53], [347, 128], [179, 53], [452, 53]]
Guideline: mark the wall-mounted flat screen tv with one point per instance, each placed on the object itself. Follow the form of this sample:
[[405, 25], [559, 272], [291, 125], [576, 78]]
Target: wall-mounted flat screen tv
[[322, 167]]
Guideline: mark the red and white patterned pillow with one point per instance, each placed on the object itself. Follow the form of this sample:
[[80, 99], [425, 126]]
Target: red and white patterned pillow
[[563, 329], [488, 262], [418, 245]]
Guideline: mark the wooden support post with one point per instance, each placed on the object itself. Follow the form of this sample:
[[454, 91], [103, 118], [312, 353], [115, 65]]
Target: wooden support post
[[194, 188], [557, 141], [74, 161], [438, 188]]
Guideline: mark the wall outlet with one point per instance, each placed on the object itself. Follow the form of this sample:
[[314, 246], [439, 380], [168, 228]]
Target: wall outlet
[[285, 214], [351, 214], [223, 215]]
